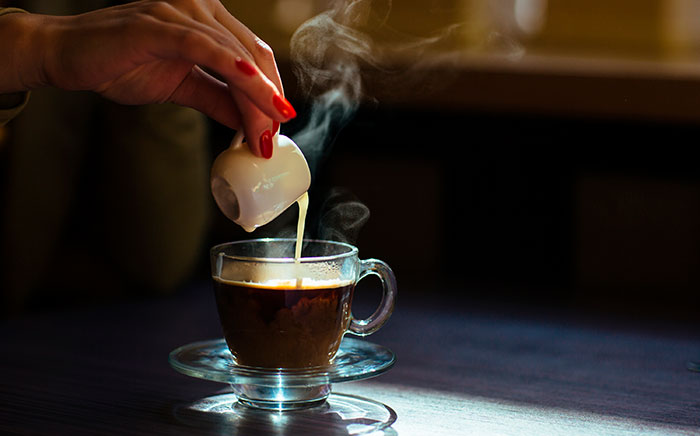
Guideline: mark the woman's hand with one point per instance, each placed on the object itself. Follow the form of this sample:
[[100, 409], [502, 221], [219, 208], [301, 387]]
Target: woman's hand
[[189, 52]]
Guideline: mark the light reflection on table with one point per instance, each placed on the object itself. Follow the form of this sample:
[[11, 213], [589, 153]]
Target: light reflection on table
[[431, 412]]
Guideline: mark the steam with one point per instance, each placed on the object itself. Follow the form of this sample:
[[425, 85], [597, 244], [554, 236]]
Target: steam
[[342, 217], [330, 53], [326, 53], [335, 58]]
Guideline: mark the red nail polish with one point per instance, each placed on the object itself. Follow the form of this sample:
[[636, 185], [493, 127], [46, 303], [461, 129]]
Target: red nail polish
[[283, 106], [245, 67], [266, 144], [275, 127]]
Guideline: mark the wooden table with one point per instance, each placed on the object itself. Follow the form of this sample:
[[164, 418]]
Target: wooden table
[[461, 369]]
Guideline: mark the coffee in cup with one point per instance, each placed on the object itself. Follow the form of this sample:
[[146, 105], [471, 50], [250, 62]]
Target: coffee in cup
[[282, 313]]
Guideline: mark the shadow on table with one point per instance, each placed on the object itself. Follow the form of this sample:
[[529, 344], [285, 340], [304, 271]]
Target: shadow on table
[[223, 414]]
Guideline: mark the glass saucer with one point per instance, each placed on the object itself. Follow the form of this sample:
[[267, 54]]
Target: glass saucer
[[340, 414], [281, 389]]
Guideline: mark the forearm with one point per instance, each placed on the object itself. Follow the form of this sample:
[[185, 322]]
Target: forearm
[[21, 51]]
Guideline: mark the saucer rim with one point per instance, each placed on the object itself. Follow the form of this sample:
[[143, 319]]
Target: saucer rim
[[315, 376]]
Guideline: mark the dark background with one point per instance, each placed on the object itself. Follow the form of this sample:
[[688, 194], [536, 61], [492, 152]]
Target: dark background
[[554, 169], [597, 213], [549, 168], [546, 210]]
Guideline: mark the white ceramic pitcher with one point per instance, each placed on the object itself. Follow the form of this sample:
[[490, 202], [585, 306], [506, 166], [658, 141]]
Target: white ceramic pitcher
[[251, 190]]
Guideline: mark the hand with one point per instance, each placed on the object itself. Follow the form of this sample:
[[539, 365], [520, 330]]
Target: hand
[[189, 52]]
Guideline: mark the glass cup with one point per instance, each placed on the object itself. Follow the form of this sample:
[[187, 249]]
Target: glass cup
[[288, 316]]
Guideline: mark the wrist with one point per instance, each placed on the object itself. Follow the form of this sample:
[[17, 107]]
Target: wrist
[[22, 48]]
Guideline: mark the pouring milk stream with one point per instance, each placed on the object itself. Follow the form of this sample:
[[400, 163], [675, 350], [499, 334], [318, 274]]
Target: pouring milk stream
[[252, 191]]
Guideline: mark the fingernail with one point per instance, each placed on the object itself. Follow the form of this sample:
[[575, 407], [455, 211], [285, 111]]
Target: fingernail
[[266, 144], [283, 106], [275, 127], [245, 67]]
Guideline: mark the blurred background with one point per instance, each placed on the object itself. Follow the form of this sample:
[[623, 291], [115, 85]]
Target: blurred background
[[542, 152], [538, 152]]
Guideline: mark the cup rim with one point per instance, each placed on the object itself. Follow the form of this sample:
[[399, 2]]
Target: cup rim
[[217, 251]]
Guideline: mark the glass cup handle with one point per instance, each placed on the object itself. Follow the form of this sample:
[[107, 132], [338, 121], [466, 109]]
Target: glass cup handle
[[364, 327]]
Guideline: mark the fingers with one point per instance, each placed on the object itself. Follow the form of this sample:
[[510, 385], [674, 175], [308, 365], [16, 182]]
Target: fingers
[[205, 46], [265, 60], [257, 126], [259, 49], [208, 95], [259, 130], [233, 60]]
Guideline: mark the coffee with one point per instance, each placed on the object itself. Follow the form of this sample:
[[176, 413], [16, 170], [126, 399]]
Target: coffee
[[280, 324], [278, 312]]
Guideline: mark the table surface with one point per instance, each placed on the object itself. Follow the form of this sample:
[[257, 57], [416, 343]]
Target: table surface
[[460, 370]]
